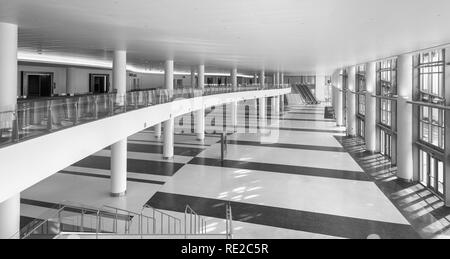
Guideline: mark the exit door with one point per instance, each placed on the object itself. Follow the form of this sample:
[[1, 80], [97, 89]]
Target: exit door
[[39, 85], [98, 84]]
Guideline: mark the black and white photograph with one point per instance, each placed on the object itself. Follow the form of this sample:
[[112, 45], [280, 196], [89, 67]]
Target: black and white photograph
[[219, 127]]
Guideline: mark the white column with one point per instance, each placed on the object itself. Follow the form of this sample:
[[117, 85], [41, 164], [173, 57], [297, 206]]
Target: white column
[[234, 104], [371, 107], [255, 79], [119, 149], [262, 114], [193, 81], [168, 139], [8, 66], [234, 79], [262, 78], [200, 114], [201, 77], [405, 164], [119, 168], [169, 124], [339, 101], [158, 131], [9, 209], [275, 107], [10, 217], [277, 81], [351, 102], [120, 75], [281, 104]]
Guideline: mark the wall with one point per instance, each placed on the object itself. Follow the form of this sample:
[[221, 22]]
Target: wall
[[59, 77], [75, 80], [78, 79]]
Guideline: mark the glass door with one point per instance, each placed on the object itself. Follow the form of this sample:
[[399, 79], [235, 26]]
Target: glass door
[[386, 144], [432, 172]]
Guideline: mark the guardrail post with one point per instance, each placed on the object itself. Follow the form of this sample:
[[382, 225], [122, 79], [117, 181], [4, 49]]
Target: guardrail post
[[15, 127], [49, 115]]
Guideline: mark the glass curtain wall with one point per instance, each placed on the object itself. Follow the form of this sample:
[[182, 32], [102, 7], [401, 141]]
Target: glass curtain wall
[[430, 67], [386, 90]]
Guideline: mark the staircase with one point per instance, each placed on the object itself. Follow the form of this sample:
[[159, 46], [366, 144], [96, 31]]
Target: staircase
[[77, 221]]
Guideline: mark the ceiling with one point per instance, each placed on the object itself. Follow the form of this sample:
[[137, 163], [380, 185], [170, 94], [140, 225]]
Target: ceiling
[[296, 36]]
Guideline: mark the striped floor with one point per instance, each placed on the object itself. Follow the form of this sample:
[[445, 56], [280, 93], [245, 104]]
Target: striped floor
[[292, 178]]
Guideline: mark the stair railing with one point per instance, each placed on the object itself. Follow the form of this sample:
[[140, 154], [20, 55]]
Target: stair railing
[[172, 223], [229, 222], [197, 223]]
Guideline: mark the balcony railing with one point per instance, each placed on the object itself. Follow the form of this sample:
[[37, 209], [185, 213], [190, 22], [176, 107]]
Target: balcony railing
[[33, 118]]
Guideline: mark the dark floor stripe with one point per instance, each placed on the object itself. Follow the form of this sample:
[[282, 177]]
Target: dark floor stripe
[[285, 169], [295, 119], [109, 177], [306, 221], [306, 113], [158, 149], [203, 145], [289, 146], [307, 120], [134, 165], [50, 205], [299, 129]]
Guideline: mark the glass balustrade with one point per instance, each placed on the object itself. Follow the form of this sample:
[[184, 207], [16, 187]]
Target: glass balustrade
[[33, 118]]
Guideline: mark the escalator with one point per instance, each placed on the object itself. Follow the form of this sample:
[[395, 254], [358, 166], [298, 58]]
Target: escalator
[[301, 94], [306, 94]]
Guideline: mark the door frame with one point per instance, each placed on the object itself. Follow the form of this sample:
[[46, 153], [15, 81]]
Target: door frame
[[24, 80], [91, 82]]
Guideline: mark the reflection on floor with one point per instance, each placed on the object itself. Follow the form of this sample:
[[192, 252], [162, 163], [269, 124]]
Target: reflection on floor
[[292, 178], [426, 212]]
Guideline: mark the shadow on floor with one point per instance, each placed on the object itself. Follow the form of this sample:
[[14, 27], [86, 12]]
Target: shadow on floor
[[424, 210]]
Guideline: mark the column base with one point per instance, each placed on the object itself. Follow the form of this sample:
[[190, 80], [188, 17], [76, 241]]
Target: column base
[[200, 137], [168, 158], [118, 195]]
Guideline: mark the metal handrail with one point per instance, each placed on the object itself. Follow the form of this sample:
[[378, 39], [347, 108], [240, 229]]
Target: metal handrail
[[199, 222], [25, 233], [195, 225], [37, 117], [173, 223], [229, 222], [128, 224]]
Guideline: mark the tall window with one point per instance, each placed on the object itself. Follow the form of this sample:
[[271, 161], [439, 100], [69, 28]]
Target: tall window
[[388, 77], [431, 81], [361, 88], [386, 112], [387, 87]]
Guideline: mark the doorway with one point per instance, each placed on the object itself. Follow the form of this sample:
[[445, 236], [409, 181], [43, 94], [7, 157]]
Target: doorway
[[36, 84], [386, 144], [432, 172], [98, 83]]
